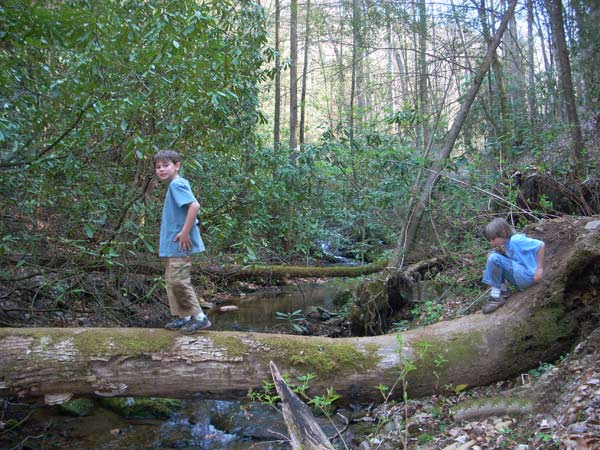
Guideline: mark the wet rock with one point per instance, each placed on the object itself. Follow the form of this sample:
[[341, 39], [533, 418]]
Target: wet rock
[[142, 407], [228, 308]]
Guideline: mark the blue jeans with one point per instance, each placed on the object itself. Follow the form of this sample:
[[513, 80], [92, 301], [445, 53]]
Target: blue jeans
[[499, 268]]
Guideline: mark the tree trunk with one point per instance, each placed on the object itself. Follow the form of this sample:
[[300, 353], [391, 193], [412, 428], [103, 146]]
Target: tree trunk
[[534, 326], [293, 78], [503, 133], [566, 83], [416, 211], [531, 93], [230, 272], [304, 73], [277, 113]]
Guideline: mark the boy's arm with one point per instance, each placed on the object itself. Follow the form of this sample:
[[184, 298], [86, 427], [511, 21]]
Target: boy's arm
[[539, 272], [185, 243]]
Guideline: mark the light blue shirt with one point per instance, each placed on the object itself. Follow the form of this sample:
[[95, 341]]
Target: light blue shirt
[[523, 250], [179, 196]]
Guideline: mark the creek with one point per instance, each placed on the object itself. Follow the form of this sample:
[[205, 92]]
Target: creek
[[199, 424]]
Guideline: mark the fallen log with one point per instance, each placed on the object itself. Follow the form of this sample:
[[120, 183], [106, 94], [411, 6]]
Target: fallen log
[[534, 326], [152, 266]]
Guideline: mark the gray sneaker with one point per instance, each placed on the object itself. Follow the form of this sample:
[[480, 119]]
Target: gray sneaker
[[493, 304], [177, 323], [195, 325]]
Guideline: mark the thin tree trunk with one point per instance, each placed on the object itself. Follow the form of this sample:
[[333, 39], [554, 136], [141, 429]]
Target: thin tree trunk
[[304, 73], [555, 9], [416, 212], [293, 78], [502, 134], [391, 101], [531, 94], [277, 113], [423, 77]]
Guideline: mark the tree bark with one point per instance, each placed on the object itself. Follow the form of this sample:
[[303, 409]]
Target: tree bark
[[293, 78], [277, 112], [230, 272], [534, 326], [305, 432], [566, 83], [503, 132], [304, 74]]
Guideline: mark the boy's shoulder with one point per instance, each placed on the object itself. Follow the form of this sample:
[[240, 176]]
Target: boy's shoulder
[[179, 182], [521, 239]]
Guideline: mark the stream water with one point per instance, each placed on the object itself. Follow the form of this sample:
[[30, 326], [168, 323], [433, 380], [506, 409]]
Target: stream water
[[258, 311], [200, 424]]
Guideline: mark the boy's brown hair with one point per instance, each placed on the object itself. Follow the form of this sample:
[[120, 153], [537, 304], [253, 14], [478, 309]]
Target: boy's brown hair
[[167, 155], [498, 228]]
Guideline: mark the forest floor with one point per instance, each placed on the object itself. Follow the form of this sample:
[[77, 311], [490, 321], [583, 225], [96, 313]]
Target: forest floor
[[568, 417]]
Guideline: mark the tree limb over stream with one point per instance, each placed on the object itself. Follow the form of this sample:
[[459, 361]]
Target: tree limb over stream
[[536, 325]]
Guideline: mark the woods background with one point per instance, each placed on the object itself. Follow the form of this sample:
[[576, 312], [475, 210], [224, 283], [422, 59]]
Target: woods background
[[306, 127]]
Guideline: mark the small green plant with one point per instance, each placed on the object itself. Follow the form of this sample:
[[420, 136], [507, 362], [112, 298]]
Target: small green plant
[[541, 369], [293, 319], [456, 389], [383, 389], [428, 312], [326, 402], [268, 396], [304, 384], [544, 437], [424, 438]]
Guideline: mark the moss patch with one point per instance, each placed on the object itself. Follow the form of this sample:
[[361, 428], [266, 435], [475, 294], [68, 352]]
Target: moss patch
[[439, 355], [79, 407], [98, 341], [545, 327], [142, 407], [320, 357]]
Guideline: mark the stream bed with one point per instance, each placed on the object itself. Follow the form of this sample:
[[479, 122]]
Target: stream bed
[[199, 423]]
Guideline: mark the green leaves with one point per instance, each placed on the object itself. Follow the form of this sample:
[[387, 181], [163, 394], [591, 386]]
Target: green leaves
[[92, 89]]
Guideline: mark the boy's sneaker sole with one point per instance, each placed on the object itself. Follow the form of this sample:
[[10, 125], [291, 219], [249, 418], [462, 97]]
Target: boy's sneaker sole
[[493, 304], [195, 325]]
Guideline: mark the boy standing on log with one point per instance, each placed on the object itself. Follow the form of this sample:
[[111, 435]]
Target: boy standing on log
[[515, 258], [179, 238]]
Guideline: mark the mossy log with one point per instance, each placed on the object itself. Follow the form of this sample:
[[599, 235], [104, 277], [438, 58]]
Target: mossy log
[[153, 266], [534, 326]]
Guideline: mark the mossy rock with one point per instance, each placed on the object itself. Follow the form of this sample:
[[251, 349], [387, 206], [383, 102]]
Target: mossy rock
[[79, 407], [142, 407]]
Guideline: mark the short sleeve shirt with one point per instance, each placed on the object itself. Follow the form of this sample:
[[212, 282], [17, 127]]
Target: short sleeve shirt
[[523, 250], [179, 196]]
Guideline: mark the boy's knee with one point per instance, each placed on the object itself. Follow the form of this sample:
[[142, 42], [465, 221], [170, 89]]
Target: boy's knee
[[179, 289], [494, 258]]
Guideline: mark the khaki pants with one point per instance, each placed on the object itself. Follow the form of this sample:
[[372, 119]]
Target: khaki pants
[[180, 292]]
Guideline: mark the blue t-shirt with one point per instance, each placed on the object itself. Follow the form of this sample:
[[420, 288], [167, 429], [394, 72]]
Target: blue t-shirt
[[523, 250], [179, 196]]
